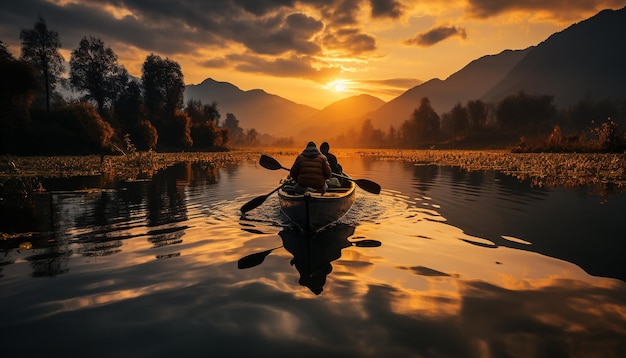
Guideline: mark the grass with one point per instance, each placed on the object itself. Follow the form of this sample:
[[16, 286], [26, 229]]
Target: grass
[[542, 169]]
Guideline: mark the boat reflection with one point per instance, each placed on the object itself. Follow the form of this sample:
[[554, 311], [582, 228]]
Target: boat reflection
[[313, 253]]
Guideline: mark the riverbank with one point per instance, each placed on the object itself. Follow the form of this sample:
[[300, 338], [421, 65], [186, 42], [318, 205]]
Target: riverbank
[[542, 169]]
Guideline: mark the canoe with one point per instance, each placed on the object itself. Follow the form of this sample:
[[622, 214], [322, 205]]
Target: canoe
[[314, 211]]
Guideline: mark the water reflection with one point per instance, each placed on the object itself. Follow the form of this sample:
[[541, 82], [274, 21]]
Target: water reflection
[[314, 253], [471, 265]]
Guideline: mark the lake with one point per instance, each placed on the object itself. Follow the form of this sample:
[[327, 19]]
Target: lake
[[471, 264]]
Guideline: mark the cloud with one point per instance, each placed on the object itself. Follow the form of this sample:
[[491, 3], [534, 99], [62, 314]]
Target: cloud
[[306, 67], [279, 35], [435, 35], [561, 10], [351, 41], [386, 8]]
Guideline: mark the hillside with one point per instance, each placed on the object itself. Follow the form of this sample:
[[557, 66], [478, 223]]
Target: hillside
[[467, 84], [265, 112], [585, 60], [340, 116]]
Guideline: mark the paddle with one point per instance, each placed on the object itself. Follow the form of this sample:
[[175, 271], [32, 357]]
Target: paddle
[[270, 163], [254, 259], [258, 257], [256, 202]]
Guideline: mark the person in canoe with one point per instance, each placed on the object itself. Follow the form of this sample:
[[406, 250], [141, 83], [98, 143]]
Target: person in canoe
[[335, 167], [310, 170]]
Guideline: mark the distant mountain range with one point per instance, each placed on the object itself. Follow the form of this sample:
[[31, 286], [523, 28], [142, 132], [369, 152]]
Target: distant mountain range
[[586, 60]]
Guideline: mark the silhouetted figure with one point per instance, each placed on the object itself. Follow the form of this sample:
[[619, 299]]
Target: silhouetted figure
[[335, 167]]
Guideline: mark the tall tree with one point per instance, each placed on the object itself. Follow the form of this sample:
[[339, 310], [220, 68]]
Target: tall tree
[[18, 85], [459, 118], [163, 86], [235, 132], [427, 121], [94, 69], [40, 48]]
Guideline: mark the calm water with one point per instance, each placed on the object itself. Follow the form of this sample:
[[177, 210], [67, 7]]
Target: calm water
[[471, 265]]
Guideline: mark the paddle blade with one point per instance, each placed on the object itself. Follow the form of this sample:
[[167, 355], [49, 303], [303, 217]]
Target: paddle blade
[[367, 243], [270, 163], [253, 259], [253, 204], [368, 185]]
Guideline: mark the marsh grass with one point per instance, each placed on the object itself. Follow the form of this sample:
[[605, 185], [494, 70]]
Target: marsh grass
[[20, 175]]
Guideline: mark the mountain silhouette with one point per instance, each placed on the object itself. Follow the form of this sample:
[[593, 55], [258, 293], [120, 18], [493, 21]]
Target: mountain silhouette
[[467, 84], [340, 116], [267, 113], [586, 60]]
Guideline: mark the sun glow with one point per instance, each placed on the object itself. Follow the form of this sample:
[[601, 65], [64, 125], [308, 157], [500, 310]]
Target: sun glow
[[338, 85]]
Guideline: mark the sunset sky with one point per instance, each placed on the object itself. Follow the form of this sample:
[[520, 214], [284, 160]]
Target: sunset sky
[[310, 52]]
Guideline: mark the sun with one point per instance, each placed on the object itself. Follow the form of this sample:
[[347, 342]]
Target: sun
[[338, 85]]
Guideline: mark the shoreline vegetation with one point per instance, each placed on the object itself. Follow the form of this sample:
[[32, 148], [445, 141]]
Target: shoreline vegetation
[[22, 177], [21, 174]]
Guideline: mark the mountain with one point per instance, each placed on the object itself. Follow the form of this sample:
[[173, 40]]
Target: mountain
[[267, 113], [584, 60], [467, 84], [340, 116]]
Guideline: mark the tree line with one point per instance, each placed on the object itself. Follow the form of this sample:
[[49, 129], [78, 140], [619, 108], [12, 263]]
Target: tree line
[[530, 119], [118, 113], [115, 112]]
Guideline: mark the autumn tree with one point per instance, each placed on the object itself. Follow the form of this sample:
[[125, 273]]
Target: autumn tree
[[94, 69], [204, 128], [40, 48]]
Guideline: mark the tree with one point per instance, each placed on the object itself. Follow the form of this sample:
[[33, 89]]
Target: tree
[[252, 137], [95, 70], [131, 117], [235, 133], [459, 119], [525, 112], [40, 48], [423, 125], [18, 85], [204, 128], [163, 86], [477, 113]]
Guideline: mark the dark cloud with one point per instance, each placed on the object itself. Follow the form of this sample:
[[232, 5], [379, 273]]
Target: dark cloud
[[435, 35], [352, 41], [276, 36], [267, 27], [559, 9], [386, 8], [342, 13], [292, 66]]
